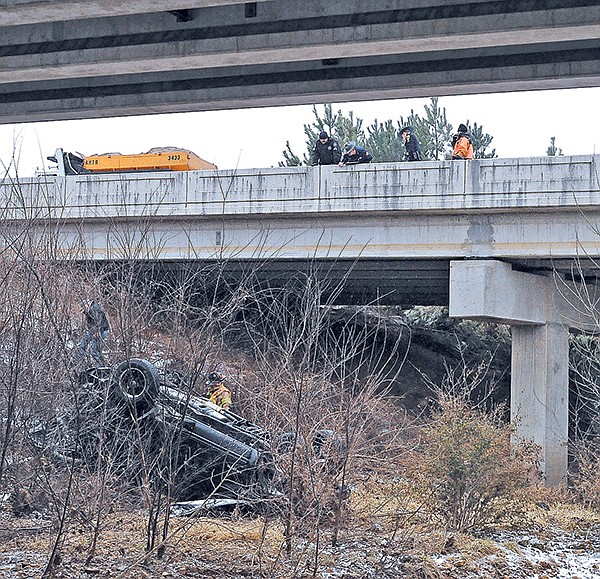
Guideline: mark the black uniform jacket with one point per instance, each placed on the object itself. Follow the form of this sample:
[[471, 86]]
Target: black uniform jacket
[[328, 153], [361, 155]]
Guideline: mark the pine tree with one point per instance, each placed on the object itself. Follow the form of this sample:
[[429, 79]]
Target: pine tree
[[384, 142], [383, 139], [481, 141], [350, 129], [553, 150], [336, 125], [290, 159], [434, 131]]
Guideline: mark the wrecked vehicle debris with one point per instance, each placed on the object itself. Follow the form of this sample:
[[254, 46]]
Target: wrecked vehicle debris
[[205, 506], [210, 451], [144, 423]]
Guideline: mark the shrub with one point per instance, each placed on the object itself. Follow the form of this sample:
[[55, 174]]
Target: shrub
[[470, 470], [585, 482]]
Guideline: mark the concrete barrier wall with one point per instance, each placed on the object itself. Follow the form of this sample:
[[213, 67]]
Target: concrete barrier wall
[[444, 186], [536, 181]]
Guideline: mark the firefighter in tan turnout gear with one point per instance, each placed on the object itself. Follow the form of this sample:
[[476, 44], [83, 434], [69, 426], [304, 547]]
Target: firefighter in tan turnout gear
[[217, 392]]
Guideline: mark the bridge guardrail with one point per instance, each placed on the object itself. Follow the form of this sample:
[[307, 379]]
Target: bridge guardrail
[[448, 186]]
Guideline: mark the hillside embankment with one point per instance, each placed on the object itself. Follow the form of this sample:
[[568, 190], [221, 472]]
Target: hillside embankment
[[429, 485]]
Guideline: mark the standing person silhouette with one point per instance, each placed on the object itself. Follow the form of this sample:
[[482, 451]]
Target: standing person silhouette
[[462, 144], [355, 154], [97, 331], [326, 150]]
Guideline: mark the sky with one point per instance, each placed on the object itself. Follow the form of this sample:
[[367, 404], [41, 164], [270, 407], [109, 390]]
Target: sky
[[521, 123]]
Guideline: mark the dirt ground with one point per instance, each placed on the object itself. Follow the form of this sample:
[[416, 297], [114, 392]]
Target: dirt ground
[[376, 540]]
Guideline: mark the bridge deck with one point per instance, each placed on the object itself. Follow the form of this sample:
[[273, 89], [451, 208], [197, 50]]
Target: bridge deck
[[385, 222], [65, 60]]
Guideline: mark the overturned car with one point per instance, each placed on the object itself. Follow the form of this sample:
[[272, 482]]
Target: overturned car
[[142, 424], [156, 429]]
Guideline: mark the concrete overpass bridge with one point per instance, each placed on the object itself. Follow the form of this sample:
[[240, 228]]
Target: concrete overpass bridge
[[401, 219], [485, 237], [69, 60], [502, 240]]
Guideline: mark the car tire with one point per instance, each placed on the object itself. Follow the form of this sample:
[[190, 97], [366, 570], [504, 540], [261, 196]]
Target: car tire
[[136, 382], [284, 443]]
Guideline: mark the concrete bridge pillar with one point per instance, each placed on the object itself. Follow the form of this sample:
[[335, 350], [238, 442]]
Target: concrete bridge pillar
[[540, 315], [539, 402]]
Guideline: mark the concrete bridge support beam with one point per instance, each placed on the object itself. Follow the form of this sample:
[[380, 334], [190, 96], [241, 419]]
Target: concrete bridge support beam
[[540, 316]]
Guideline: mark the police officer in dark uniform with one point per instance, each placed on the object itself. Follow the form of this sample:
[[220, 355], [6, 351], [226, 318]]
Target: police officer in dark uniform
[[412, 147], [326, 151], [354, 154]]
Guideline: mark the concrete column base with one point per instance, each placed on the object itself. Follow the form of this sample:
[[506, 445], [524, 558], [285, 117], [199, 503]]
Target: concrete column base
[[540, 393]]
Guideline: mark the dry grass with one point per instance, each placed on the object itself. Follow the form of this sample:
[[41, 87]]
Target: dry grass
[[383, 524], [228, 543]]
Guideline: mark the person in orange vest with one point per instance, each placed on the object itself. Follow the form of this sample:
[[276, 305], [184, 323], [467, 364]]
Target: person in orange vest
[[462, 144], [217, 392]]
